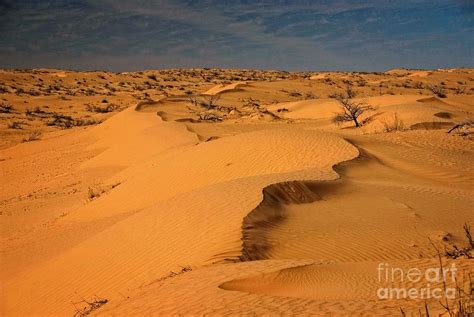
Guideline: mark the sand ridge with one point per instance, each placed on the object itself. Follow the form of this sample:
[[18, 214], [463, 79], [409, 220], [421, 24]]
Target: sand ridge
[[162, 209]]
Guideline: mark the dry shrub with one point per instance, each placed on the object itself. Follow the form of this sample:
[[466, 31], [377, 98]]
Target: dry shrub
[[104, 109], [89, 306], [33, 136], [6, 108], [394, 124], [463, 128], [15, 125], [438, 91], [467, 251]]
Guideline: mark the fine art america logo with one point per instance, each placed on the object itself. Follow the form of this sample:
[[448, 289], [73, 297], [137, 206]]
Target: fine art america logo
[[429, 282]]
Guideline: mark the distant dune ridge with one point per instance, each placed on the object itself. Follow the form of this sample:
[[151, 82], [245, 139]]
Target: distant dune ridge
[[170, 202]]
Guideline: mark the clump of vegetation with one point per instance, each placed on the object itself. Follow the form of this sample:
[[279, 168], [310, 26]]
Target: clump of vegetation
[[33, 136], [463, 303], [310, 95], [250, 102], [15, 125], [395, 124], [6, 108], [350, 92], [37, 111], [193, 99], [460, 90], [86, 122], [19, 91], [210, 117], [98, 190], [90, 306], [33, 92], [418, 85], [183, 270], [334, 95], [94, 192], [4, 89], [294, 93], [62, 121], [67, 122], [105, 109], [438, 91], [456, 252], [463, 128], [210, 101]]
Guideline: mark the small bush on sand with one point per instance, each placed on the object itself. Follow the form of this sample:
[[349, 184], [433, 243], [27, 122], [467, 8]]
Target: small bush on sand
[[94, 193], [193, 99], [6, 108], [394, 124], [88, 306], [104, 109], [210, 101], [438, 91], [67, 122], [62, 121], [467, 251], [463, 128], [99, 190], [460, 90], [15, 125], [294, 93], [350, 92], [33, 136]]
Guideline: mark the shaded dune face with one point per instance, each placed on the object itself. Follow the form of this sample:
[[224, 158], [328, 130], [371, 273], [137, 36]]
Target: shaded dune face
[[271, 212]]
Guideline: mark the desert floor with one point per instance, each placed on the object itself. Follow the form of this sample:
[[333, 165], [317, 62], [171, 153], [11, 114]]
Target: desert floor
[[230, 192]]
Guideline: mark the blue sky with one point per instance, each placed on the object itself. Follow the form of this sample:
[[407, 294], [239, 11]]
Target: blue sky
[[124, 35]]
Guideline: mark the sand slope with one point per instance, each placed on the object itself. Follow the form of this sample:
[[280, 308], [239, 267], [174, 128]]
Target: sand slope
[[283, 214]]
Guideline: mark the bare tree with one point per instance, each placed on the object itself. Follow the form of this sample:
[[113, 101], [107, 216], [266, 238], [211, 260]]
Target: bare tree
[[351, 111]]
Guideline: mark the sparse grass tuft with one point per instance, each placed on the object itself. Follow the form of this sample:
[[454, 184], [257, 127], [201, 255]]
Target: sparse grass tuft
[[395, 124], [33, 136]]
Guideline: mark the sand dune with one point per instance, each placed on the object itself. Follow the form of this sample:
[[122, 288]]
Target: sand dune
[[271, 210], [219, 89]]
